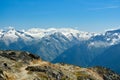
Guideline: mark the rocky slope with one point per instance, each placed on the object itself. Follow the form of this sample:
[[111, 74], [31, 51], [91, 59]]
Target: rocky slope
[[18, 65]]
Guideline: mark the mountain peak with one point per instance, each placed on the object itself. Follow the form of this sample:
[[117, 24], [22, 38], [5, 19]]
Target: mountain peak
[[113, 30]]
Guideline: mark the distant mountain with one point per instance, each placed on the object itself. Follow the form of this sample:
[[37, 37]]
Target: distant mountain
[[48, 43], [79, 54], [109, 58], [19, 65]]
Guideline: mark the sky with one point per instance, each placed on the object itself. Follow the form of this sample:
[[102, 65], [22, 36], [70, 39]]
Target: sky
[[84, 15]]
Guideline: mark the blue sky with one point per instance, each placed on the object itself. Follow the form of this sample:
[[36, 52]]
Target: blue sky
[[85, 15]]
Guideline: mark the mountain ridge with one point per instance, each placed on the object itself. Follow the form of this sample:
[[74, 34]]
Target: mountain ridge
[[47, 37]]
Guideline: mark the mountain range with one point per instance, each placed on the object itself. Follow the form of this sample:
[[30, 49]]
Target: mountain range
[[66, 45]]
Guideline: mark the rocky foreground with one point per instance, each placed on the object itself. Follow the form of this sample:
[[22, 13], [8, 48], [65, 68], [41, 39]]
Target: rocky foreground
[[18, 65]]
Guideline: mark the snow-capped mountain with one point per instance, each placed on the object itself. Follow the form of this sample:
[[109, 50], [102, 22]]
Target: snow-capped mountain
[[108, 38], [50, 43], [67, 32], [42, 41], [11, 35]]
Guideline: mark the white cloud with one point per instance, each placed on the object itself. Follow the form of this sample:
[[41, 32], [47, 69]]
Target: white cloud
[[108, 7]]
